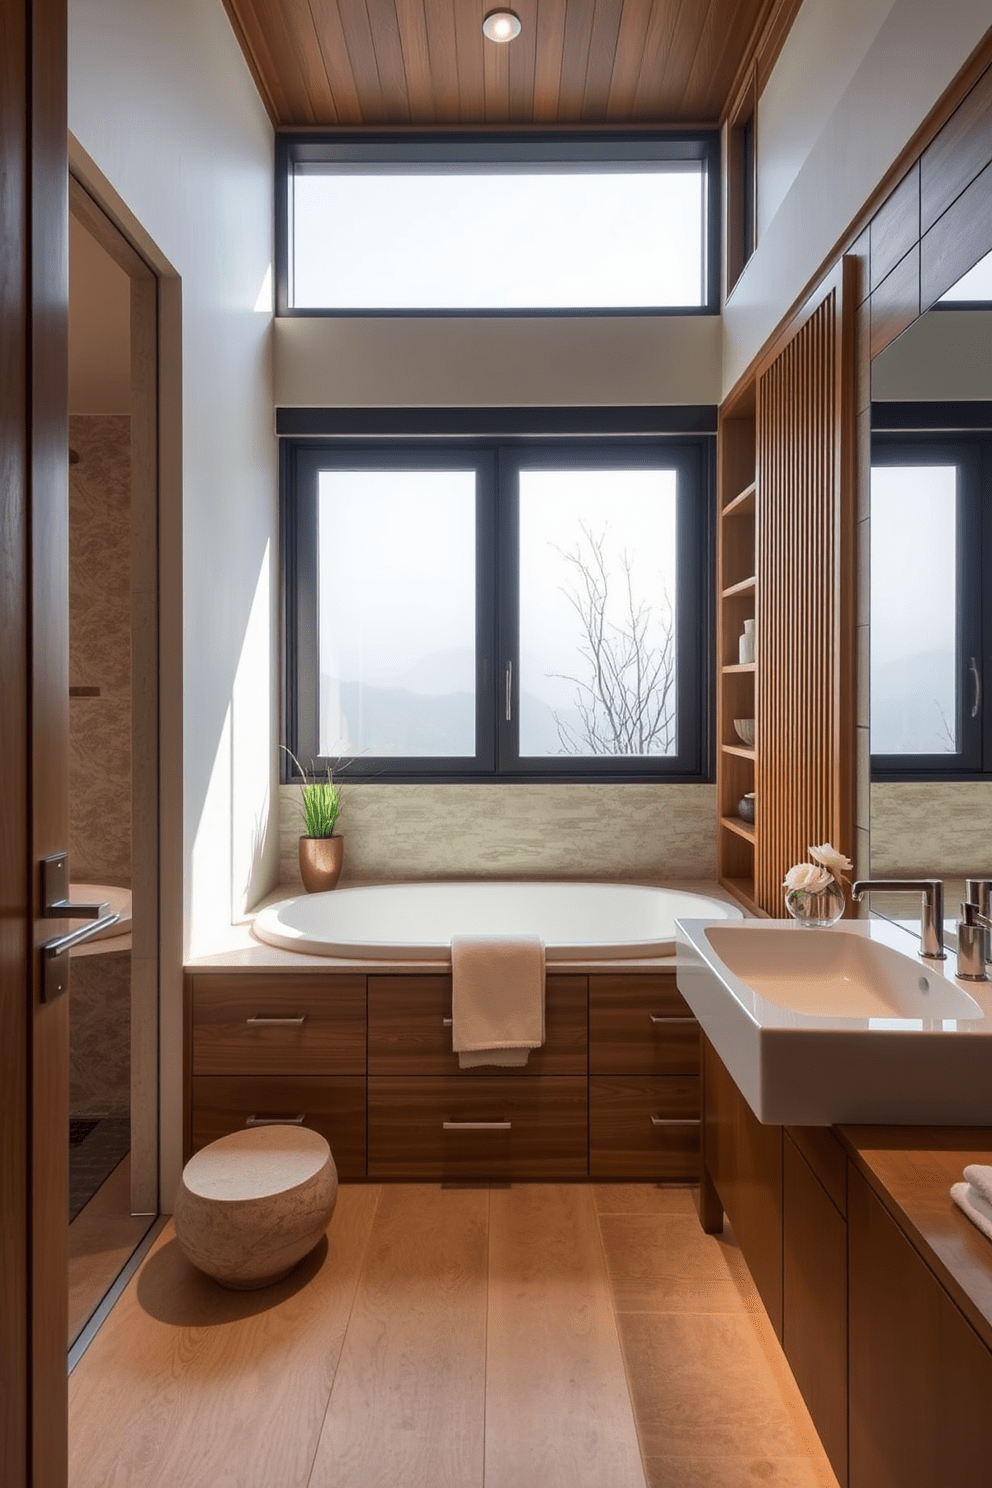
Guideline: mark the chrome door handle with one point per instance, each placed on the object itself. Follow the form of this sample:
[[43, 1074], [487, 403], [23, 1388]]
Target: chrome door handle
[[976, 681], [260, 1020], [57, 906], [55, 954], [509, 691]]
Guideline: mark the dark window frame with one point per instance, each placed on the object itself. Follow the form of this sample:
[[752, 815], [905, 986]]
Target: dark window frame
[[417, 150], [971, 451], [497, 759]]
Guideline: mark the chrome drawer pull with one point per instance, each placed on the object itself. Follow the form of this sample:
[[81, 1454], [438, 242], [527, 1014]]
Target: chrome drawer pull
[[276, 1120], [446, 1022], [476, 1125], [260, 1019], [674, 1120], [660, 1018]]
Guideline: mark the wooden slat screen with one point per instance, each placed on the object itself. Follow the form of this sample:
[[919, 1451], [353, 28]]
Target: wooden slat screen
[[805, 705]]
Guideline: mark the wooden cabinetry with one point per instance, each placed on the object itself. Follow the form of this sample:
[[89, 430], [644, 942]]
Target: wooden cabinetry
[[644, 1112], [736, 691], [367, 1061], [921, 1378], [814, 1285], [742, 1160], [266, 1048], [880, 1290]]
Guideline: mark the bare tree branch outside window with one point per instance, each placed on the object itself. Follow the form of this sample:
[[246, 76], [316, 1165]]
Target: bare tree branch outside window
[[625, 698]]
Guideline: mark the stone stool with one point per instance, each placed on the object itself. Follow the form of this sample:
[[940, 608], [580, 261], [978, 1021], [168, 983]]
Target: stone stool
[[252, 1204]]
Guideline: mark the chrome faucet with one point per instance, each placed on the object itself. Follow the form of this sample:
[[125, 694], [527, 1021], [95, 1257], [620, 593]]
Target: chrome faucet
[[931, 911]]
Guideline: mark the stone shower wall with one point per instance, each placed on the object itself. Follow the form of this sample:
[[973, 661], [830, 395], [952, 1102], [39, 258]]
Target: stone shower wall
[[100, 649]]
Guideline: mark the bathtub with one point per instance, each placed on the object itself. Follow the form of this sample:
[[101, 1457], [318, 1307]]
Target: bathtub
[[415, 922]]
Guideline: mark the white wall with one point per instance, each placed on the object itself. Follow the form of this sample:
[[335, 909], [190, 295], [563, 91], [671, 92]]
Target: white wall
[[497, 362], [906, 66], [161, 100], [943, 355]]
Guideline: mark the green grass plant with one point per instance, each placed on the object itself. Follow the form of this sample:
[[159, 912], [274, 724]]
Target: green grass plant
[[321, 802]]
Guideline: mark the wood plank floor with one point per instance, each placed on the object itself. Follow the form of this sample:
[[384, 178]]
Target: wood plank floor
[[513, 1336]]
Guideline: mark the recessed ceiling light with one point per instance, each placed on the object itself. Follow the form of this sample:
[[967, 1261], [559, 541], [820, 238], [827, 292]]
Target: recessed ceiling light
[[501, 25]]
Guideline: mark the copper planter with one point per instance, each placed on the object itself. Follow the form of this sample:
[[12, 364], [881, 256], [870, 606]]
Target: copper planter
[[320, 862]]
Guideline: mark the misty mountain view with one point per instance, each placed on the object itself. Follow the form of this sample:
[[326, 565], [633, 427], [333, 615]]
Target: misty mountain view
[[913, 704]]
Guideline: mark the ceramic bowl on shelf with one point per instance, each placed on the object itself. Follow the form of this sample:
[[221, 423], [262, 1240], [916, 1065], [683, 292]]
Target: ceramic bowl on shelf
[[744, 729], [745, 807]]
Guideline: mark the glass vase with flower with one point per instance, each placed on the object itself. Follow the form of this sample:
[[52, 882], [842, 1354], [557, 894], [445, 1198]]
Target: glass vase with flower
[[814, 893]]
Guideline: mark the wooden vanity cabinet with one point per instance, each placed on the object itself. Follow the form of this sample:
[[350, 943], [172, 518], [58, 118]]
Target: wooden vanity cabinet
[[921, 1378], [814, 1281], [742, 1162], [644, 1112]]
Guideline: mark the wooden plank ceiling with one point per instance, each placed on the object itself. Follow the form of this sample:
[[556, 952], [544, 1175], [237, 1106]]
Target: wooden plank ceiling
[[424, 63]]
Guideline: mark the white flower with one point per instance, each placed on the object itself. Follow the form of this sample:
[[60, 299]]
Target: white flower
[[834, 862], [810, 878]]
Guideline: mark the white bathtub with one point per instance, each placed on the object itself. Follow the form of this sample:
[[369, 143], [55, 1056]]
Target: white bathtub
[[415, 922]]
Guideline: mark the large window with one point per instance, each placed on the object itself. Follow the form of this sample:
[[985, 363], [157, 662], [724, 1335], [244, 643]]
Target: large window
[[617, 224], [930, 656], [477, 610]]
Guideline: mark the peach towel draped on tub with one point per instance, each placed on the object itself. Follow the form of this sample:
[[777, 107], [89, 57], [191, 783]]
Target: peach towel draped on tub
[[497, 998]]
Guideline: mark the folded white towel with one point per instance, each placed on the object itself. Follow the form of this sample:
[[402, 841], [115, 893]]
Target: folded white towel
[[975, 1205], [980, 1177], [497, 998]]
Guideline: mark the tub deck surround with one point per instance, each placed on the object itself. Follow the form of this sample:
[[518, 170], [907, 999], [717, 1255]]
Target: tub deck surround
[[614, 1092]]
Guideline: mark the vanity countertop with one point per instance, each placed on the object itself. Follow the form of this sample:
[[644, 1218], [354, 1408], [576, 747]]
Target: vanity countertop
[[911, 1169]]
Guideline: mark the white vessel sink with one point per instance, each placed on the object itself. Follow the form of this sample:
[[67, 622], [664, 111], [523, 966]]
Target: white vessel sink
[[842, 1025], [839, 975]]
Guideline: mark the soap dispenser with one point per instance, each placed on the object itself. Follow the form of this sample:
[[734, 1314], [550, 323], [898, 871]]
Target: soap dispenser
[[973, 929]]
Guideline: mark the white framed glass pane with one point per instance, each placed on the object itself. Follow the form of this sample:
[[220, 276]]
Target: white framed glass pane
[[597, 613], [914, 663], [499, 240], [396, 613]]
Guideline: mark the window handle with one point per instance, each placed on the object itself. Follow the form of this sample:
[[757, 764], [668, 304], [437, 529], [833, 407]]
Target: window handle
[[976, 680], [509, 691]]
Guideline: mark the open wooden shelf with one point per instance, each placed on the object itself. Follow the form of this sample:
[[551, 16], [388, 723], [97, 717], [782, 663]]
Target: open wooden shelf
[[736, 824], [744, 586], [739, 666], [742, 505], [743, 891], [739, 751]]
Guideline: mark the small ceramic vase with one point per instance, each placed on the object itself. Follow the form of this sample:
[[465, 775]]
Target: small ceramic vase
[[816, 911], [745, 644], [320, 863]]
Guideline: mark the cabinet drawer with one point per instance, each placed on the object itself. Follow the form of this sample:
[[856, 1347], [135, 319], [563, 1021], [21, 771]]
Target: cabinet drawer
[[278, 1025], [335, 1108], [481, 1129], [410, 1029], [645, 1127], [641, 1026]]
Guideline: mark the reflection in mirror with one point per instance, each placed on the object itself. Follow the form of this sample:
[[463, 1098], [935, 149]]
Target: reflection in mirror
[[931, 597]]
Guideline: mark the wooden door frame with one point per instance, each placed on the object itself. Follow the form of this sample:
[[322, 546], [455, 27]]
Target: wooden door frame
[[144, 981], [33, 734], [157, 488]]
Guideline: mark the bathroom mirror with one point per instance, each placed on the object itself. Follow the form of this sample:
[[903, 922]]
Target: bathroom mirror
[[931, 595]]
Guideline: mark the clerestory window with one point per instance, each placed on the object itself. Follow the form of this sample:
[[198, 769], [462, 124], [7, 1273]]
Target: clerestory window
[[610, 224]]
